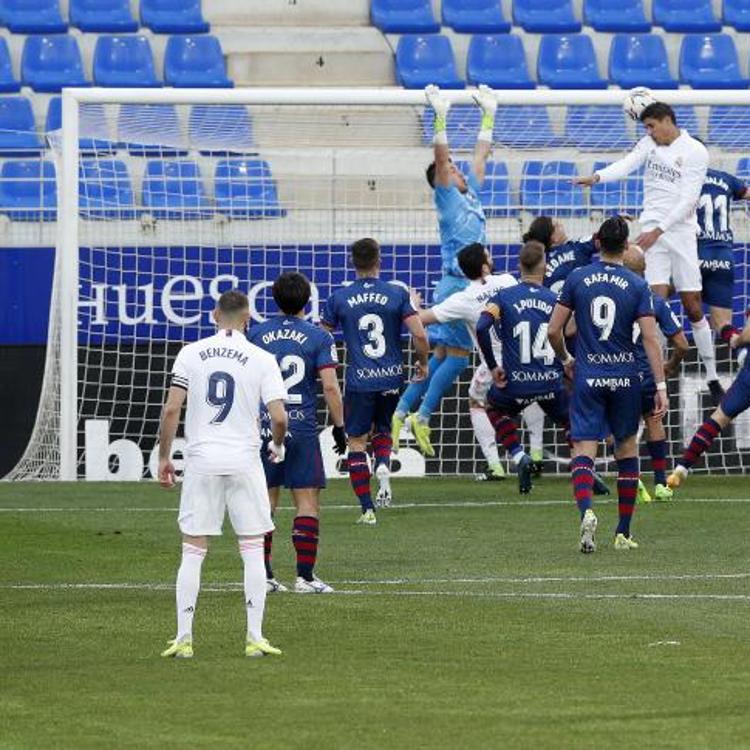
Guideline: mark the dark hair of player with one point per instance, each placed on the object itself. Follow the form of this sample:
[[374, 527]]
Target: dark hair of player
[[291, 292], [541, 230], [613, 235], [430, 175], [471, 259], [365, 254], [232, 303], [531, 256], [658, 111]]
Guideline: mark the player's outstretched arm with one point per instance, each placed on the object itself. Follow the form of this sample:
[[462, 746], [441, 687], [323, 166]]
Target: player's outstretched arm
[[653, 352], [618, 169], [170, 419], [487, 102], [440, 106], [680, 348], [421, 345]]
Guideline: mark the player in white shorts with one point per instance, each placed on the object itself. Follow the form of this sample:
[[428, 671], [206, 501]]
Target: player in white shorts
[[675, 167], [467, 305], [224, 378]]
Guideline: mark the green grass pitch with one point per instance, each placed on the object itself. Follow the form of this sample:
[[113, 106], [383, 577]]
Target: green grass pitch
[[466, 619]]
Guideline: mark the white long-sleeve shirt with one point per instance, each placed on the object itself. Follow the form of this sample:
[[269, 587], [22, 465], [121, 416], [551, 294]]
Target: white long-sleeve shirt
[[672, 180]]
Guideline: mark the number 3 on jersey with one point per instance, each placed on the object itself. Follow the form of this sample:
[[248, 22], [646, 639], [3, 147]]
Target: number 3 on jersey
[[220, 394], [372, 324]]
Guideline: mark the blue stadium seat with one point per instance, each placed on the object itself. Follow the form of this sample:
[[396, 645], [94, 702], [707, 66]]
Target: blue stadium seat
[[618, 16], [709, 61], [92, 120], [495, 194], [139, 126], [28, 191], [32, 16], [175, 190], [696, 16], [729, 127], [422, 60], [568, 61], [173, 16], [743, 169], [124, 61], [462, 126], [195, 62], [105, 190], [596, 128], [499, 61], [606, 196], [220, 129], [737, 13], [546, 187], [49, 63], [475, 16], [524, 127], [8, 82], [245, 189], [102, 16], [640, 60], [632, 192], [545, 16], [18, 136], [404, 16]]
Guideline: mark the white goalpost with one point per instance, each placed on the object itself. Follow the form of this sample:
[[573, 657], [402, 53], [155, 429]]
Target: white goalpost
[[168, 197]]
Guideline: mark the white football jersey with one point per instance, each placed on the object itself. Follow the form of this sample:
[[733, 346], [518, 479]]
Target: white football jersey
[[468, 304], [226, 378], [673, 177]]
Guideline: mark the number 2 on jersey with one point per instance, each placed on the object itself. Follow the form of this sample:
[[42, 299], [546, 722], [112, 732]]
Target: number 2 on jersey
[[220, 394], [295, 366], [373, 325]]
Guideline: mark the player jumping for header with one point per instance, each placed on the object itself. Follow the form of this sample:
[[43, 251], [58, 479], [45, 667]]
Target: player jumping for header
[[371, 314], [304, 353], [461, 222], [607, 300], [675, 170]]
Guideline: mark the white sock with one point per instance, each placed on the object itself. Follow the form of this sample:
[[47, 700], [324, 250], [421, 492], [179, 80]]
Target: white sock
[[534, 418], [188, 586], [484, 432], [704, 343], [251, 550]]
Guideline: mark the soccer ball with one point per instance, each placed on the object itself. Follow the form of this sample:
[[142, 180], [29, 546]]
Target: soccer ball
[[636, 101]]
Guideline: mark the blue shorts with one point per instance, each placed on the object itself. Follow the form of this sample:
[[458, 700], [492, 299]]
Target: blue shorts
[[555, 404], [455, 333], [369, 411], [302, 466], [737, 398], [717, 274], [605, 405]]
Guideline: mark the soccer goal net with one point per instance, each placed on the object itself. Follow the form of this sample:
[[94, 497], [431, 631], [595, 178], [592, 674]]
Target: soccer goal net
[[168, 198]]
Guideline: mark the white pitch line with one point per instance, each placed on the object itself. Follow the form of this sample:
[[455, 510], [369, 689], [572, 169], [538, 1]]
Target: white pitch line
[[555, 595], [395, 507]]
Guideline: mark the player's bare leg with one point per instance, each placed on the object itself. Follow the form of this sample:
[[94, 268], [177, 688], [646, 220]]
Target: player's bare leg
[[194, 550], [720, 317], [626, 454], [272, 585], [305, 535], [359, 476]]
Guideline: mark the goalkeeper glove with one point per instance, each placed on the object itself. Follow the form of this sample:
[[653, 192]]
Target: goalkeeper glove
[[339, 440], [276, 453], [440, 106], [487, 102]]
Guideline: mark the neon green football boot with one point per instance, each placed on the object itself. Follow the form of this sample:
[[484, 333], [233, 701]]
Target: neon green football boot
[[421, 432], [662, 493], [179, 649], [397, 424], [623, 542], [642, 496], [261, 648]]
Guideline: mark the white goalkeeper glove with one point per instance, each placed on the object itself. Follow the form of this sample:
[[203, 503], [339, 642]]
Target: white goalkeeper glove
[[276, 453], [487, 102], [440, 105]]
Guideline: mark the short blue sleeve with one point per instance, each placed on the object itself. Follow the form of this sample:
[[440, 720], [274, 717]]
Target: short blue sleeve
[[645, 302], [326, 353], [329, 316], [566, 293], [407, 308]]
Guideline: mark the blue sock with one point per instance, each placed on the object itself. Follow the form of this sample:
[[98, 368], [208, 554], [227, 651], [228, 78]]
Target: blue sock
[[440, 383], [415, 391]]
